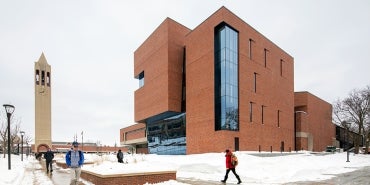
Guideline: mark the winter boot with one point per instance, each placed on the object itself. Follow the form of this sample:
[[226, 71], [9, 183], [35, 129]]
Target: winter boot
[[239, 181], [225, 178]]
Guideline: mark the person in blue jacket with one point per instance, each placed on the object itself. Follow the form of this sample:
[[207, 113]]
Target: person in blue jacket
[[74, 160]]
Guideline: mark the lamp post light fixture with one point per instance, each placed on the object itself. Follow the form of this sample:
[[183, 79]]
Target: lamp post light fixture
[[22, 134], [9, 111]]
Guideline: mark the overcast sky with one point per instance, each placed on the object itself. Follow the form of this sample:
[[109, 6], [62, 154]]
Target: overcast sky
[[90, 44]]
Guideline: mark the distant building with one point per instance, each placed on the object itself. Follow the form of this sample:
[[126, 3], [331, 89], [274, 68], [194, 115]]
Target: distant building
[[220, 85], [63, 147], [346, 138]]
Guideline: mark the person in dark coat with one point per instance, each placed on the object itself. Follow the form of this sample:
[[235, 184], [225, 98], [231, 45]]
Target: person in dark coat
[[49, 156], [230, 166], [120, 156]]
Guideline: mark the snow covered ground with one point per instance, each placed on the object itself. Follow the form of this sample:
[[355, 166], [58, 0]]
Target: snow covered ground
[[252, 169]]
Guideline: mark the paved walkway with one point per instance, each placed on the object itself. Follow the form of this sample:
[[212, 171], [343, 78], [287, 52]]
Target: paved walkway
[[59, 176], [198, 182], [358, 177]]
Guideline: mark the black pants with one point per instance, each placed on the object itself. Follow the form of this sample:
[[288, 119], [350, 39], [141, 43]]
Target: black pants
[[49, 163], [227, 174]]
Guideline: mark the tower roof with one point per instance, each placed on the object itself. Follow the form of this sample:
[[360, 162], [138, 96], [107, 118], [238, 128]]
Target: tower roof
[[42, 59]]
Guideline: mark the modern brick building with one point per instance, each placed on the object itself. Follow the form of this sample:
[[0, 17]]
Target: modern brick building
[[313, 120], [220, 85], [134, 137]]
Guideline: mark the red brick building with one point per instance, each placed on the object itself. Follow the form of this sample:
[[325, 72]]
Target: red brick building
[[220, 85], [313, 120], [63, 147], [134, 138]]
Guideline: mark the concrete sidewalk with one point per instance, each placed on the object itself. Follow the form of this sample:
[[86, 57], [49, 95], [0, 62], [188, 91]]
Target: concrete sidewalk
[[59, 176], [357, 177]]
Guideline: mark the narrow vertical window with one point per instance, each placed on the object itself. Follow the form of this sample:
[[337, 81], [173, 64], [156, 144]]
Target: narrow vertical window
[[42, 77], [37, 77], [265, 56], [250, 48], [278, 118], [183, 100], [250, 111], [262, 113], [281, 67], [255, 82], [48, 79], [141, 79], [226, 78]]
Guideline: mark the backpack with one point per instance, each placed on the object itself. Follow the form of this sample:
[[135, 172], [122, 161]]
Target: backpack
[[234, 160], [79, 153]]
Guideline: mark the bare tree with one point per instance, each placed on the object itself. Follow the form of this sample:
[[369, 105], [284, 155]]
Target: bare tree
[[15, 139], [3, 132], [27, 139], [355, 110], [14, 131]]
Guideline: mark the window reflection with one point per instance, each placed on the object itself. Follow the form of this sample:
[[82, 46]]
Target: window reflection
[[226, 78], [168, 136], [141, 79]]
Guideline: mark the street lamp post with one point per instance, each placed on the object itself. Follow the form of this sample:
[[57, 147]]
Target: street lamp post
[[22, 134], [9, 111]]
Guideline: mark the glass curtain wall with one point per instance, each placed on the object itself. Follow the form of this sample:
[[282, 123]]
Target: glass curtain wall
[[167, 136], [226, 78]]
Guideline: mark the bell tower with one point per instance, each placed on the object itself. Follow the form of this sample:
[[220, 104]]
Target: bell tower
[[42, 105]]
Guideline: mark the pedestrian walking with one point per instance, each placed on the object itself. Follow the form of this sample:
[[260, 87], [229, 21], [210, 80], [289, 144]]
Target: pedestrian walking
[[120, 156], [74, 160], [49, 156], [38, 156], [231, 163]]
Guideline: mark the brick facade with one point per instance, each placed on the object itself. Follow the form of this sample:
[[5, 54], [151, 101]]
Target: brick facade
[[176, 60], [129, 179], [314, 127], [160, 57], [135, 137], [274, 91]]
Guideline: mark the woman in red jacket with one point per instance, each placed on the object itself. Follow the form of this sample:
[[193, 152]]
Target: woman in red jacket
[[230, 166]]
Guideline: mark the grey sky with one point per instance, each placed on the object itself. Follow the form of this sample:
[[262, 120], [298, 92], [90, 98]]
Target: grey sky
[[90, 44]]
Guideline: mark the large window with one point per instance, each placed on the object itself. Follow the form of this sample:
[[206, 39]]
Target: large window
[[167, 136], [141, 79], [226, 78]]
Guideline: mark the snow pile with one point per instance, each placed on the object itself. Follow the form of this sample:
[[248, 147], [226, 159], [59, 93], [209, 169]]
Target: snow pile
[[253, 168]]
